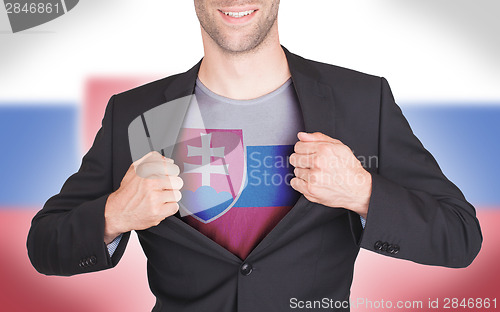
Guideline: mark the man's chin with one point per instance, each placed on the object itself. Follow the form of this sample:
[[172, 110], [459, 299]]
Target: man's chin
[[239, 45]]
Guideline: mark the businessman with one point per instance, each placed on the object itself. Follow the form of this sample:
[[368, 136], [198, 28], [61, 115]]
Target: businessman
[[225, 223]]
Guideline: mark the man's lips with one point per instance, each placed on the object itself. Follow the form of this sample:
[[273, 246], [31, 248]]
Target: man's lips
[[237, 15]]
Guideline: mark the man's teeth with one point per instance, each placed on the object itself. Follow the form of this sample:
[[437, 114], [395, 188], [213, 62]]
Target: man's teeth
[[239, 14]]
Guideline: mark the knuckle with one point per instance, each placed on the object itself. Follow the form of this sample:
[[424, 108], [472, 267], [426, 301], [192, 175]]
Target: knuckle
[[346, 150], [143, 166], [317, 161], [144, 170], [159, 198], [298, 161], [302, 161], [311, 199], [158, 220], [172, 208], [173, 169], [154, 156], [177, 182], [166, 183], [166, 196], [313, 171], [339, 141], [297, 147], [323, 148], [177, 195], [314, 176]]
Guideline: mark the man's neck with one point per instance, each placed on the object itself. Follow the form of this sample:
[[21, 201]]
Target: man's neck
[[244, 76]]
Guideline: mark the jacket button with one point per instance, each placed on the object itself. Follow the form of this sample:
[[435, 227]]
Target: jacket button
[[395, 249], [390, 249], [82, 263], [378, 245], [93, 260], [246, 269], [385, 245]]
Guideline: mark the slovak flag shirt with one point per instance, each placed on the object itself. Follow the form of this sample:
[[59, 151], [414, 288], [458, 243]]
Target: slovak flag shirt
[[234, 161]]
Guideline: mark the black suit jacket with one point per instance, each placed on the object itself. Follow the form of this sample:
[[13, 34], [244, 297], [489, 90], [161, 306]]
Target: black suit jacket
[[415, 212]]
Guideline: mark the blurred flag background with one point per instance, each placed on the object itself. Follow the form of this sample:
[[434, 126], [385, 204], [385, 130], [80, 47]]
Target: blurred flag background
[[441, 58]]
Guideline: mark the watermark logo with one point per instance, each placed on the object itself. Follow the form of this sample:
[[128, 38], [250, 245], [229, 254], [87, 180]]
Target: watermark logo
[[212, 162], [28, 14]]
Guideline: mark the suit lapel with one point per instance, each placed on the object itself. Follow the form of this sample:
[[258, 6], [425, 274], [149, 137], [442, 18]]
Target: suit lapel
[[318, 108], [183, 84], [179, 95], [158, 127], [315, 98]]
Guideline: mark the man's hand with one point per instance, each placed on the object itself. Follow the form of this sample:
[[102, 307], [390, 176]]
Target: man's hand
[[327, 172], [148, 193]]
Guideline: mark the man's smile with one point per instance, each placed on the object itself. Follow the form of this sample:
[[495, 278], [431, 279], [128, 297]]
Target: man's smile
[[237, 15]]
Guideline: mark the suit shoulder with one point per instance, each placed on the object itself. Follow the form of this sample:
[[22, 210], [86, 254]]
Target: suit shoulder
[[338, 74], [130, 104]]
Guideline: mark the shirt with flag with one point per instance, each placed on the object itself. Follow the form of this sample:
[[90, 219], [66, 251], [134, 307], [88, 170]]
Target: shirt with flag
[[234, 160]]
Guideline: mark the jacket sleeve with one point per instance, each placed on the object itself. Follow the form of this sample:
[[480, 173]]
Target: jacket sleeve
[[67, 236], [415, 212]]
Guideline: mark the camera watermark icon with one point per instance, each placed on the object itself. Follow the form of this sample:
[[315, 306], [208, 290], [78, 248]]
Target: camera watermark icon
[[24, 14]]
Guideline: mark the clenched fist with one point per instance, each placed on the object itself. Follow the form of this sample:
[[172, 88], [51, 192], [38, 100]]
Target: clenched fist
[[148, 193], [327, 172]]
